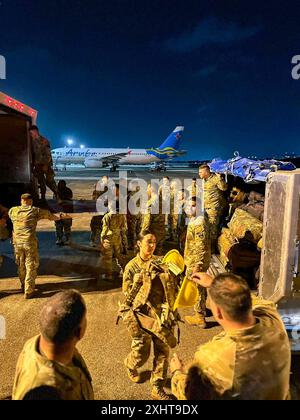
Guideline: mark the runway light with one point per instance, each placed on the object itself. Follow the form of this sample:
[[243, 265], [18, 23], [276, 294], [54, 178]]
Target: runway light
[[70, 142], [82, 146]]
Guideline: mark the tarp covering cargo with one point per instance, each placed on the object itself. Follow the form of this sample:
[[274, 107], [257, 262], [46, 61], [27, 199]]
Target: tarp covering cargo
[[251, 171]]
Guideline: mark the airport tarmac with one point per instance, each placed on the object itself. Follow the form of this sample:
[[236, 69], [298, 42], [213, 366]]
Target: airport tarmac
[[82, 181], [132, 172]]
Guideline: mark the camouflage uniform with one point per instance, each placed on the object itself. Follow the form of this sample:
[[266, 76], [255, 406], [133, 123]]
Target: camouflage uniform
[[214, 203], [193, 190], [197, 254], [148, 317], [181, 227], [249, 364], [25, 219], [114, 228], [155, 223], [42, 162], [63, 227], [38, 377], [133, 224], [96, 229]]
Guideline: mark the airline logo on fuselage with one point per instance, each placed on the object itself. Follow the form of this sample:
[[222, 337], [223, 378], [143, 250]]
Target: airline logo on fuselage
[[80, 153]]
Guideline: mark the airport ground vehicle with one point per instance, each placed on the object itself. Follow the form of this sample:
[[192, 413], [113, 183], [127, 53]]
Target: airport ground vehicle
[[158, 167], [16, 175]]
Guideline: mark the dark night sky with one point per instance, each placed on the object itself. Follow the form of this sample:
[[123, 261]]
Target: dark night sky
[[120, 73]]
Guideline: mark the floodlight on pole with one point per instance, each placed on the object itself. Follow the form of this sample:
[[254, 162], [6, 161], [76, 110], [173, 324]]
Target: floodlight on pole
[[70, 142], [82, 146]]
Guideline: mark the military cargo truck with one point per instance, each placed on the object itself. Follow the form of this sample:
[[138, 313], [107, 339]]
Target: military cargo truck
[[16, 175]]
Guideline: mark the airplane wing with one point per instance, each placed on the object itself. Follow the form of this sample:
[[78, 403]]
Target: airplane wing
[[112, 158]]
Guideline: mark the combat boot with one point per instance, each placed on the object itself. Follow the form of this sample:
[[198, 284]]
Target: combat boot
[[132, 374], [158, 393], [68, 240], [29, 295], [197, 320]]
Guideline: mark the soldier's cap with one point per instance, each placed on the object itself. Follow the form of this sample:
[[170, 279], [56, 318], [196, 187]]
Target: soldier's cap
[[26, 197], [33, 127]]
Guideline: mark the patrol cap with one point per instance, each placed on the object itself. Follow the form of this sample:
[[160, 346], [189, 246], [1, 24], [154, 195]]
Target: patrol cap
[[26, 196]]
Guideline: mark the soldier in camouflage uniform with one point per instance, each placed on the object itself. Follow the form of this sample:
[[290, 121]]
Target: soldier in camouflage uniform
[[63, 227], [193, 189], [181, 220], [25, 219], [113, 242], [133, 220], [197, 257], [150, 292], [96, 222], [214, 201], [152, 222], [250, 359], [50, 367], [42, 162]]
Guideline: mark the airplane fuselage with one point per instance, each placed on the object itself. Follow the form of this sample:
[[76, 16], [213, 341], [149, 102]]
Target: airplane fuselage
[[73, 155], [96, 157]]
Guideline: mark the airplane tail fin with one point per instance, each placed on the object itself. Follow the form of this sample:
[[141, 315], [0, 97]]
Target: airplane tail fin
[[173, 140]]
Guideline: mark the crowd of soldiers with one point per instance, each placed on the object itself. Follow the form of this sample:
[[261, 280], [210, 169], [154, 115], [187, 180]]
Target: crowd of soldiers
[[238, 364]]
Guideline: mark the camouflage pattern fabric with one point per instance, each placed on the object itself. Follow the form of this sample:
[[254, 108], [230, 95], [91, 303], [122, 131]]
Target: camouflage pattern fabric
[[242, 364], [133, 228], [63, 229], [96, 229], [225, 242], [197, 254], [197, 248], [25, 219], [45, 177], [181, 228], [155, 223], [193, 190], [244, 225], [42, 164], [140, 353], [36, 374], [214, 187], [149, 318], [214, 203], [27, 260], [114, 230], [41, 151]]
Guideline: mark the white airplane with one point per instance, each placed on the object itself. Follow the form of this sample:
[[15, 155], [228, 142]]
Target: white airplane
[[100, 158]]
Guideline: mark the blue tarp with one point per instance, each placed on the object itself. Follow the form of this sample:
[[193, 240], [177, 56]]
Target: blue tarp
[[252, 171]]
